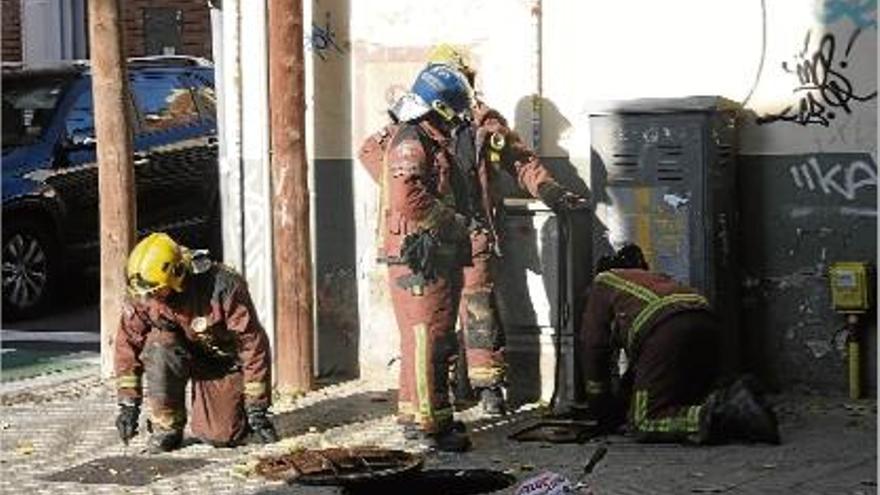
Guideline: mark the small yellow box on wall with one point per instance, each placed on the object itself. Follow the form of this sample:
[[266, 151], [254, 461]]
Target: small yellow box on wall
[[850, 289]]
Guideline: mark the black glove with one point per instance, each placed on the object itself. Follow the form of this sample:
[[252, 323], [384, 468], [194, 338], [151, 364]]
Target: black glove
[[560, 199], [127, 420], [418, 251], [258, 420]]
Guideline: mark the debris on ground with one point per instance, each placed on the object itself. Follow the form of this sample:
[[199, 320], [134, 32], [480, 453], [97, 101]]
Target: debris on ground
[[546, 483], [24, 447]]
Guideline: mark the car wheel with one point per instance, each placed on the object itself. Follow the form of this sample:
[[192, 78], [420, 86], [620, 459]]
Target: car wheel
[[30, 269]]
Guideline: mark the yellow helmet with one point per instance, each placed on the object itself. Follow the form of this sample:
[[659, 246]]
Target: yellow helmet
[[454, 57], [156, 262]]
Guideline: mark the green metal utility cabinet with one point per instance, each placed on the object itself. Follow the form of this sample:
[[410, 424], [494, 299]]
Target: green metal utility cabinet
[[662, 175]]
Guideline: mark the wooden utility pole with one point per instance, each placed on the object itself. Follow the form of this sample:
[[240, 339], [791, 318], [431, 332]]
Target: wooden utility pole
[[115, 168], [294, 320]]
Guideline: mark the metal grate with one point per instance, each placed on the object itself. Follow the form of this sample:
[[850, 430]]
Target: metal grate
[[669, 166]]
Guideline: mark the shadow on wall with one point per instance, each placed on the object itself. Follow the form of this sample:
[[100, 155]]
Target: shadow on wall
[[532, 247], [327, 40]]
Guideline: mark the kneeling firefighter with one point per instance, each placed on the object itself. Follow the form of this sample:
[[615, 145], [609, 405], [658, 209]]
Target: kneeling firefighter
[[187, 318], [671, 388]]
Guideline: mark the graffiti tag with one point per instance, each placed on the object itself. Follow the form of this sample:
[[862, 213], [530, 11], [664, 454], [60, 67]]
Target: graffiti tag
[[323, 39], [838, 179], [822, 88], [862, 13]]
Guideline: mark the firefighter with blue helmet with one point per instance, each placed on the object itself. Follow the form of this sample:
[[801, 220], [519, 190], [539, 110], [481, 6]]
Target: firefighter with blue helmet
[[425, 240], [482, 149]]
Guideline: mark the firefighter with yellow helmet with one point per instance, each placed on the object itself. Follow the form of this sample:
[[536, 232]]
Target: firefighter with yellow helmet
[[187, 318], [482, 151]]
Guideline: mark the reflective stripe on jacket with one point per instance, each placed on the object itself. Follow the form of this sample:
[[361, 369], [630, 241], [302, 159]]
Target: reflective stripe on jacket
[[622, 309]]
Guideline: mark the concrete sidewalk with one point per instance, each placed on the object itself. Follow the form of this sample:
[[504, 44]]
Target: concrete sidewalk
[[829, 446]]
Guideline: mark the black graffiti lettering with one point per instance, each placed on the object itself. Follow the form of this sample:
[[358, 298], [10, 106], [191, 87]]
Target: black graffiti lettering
[[821, 89]]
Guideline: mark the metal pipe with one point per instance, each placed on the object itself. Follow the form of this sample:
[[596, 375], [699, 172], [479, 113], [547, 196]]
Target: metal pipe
[[854, 355], [537, 69]]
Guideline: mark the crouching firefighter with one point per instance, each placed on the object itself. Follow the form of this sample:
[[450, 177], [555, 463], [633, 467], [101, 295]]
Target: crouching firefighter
[[187, 318], [671, 389]]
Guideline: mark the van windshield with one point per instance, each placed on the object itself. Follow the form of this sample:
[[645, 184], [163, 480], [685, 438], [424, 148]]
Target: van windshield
[[28, 107]]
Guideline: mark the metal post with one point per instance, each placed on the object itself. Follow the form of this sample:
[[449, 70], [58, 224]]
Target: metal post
[[115, 168], [294, 321]]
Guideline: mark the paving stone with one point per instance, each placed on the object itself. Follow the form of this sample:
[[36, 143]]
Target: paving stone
[[829, 446]]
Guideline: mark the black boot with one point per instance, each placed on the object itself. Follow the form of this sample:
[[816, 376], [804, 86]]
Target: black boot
[[453, 438], [492, 400], [164, 441], [738, 412], [450, 439], [411, 431]]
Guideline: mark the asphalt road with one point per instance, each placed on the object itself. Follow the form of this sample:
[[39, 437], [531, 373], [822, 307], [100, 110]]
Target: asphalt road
[[67, 337]]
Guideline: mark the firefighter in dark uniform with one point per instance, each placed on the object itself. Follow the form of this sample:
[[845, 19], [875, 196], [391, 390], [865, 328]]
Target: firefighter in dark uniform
[[487, 148], [482, 150], [671, 341], [425, 239], [190, 319]]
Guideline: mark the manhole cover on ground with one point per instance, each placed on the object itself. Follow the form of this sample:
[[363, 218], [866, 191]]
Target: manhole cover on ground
[[127, 470], [338, 466]]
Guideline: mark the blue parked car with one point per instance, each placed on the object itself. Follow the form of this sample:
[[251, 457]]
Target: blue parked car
[[50, 172]]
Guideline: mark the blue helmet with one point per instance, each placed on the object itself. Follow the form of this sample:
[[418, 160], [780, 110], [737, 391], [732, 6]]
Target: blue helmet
[[444, 90]]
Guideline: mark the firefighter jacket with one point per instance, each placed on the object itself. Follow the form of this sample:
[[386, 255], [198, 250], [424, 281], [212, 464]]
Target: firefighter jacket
[[216, 323], [400, 152], [623, 308], [418, 183], [499, 148]]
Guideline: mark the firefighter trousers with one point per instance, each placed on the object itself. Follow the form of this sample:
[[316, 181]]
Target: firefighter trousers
[[480, 335], [674, 372], [426, 321], [217, 396]]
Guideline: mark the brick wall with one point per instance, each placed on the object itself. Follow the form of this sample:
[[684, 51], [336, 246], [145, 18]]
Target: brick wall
[[11, 30], [195, 31]]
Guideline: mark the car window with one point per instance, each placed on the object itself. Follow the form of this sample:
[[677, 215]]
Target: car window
[[164, 102], [28, 107], [80, 119]]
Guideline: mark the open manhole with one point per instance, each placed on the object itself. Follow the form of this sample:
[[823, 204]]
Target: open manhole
[[127, 470], [369, 470]]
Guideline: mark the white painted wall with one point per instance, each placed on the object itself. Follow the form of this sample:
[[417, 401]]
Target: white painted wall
[[589, 52], [244, 161], [596, 51]]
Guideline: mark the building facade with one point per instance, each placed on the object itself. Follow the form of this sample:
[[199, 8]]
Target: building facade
[[37, 31]]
